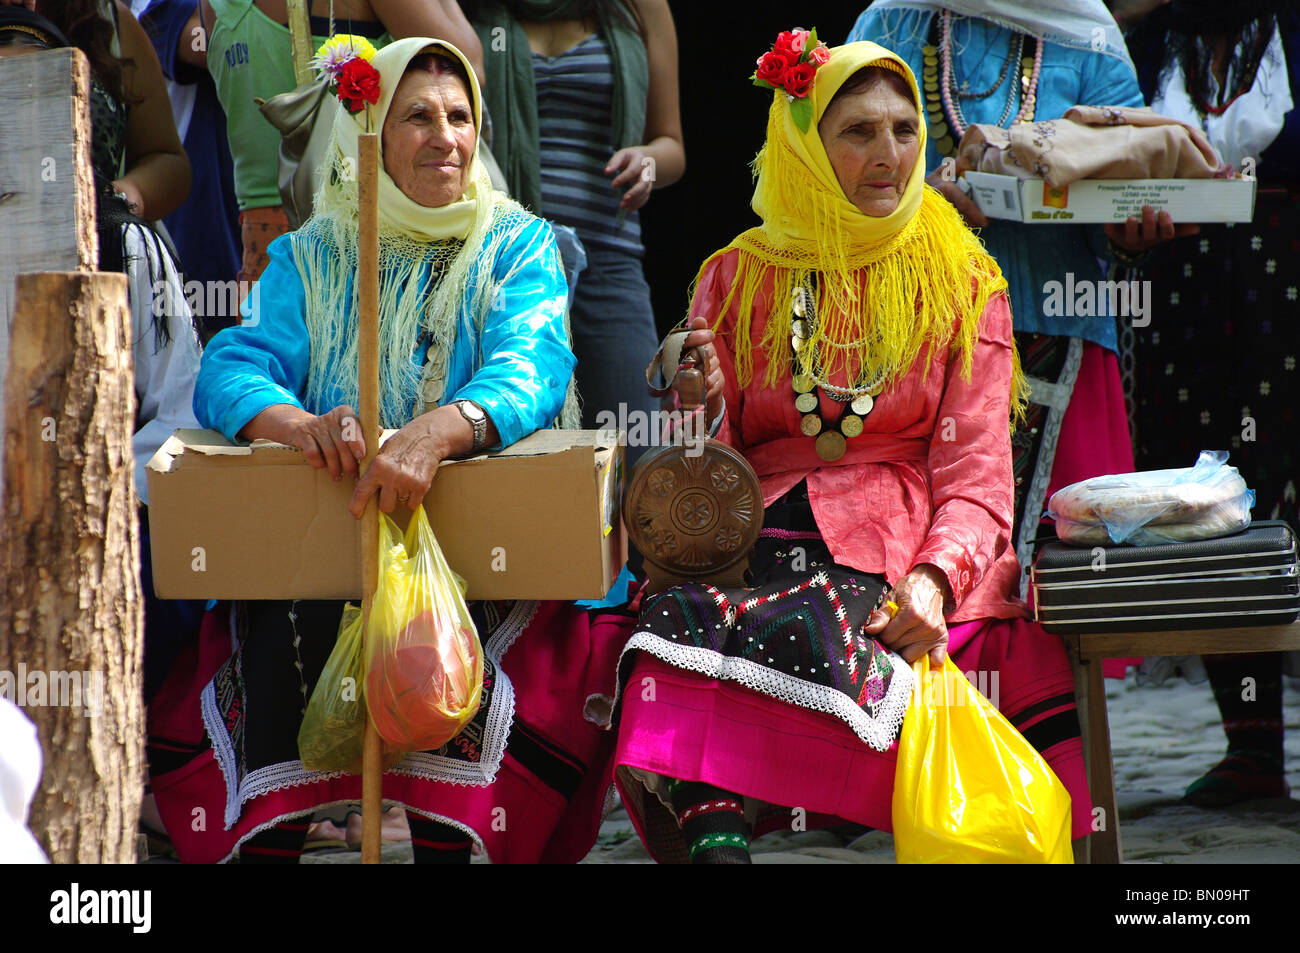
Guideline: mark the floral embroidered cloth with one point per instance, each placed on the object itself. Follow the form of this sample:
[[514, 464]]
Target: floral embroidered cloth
[[1092, 142]]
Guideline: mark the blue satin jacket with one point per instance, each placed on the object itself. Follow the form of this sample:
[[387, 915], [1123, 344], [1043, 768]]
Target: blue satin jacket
[[1030, 255], [517, 370]]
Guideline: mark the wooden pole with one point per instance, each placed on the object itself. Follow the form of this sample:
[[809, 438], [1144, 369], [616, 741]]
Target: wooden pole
[[372, 767], [71, 623]]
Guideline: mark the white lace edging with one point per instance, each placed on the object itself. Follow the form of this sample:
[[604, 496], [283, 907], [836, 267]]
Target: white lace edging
[[222, 749], [432, 767], [450, 822], [878, 733], [1036, 495], [513, 626], [417, 764]]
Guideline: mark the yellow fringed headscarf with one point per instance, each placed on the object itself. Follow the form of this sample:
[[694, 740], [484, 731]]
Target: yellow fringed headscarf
[[890, 286]]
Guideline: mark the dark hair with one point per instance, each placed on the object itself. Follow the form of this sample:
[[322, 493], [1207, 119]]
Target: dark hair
[[439, 63], [1184, 25], [87, 30], [870, 76]]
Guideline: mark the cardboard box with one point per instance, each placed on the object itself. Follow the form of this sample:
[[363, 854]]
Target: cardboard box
[[1112, 200], [539, 520]]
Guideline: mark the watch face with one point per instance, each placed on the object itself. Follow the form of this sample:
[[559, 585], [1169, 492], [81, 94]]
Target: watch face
[[471, 410]]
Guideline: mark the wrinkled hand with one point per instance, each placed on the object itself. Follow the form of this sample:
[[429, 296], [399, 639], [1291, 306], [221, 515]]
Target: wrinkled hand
[[919, 626], [701, 337], [404, 468], [332, 440], [962, 202], [1135, 236], [633, 166]]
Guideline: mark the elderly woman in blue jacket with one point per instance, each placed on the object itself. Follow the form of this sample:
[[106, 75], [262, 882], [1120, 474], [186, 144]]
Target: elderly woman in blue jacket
[[474, 354]]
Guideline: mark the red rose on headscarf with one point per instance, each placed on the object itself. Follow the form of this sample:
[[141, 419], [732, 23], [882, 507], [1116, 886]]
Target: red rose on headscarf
[[790, 41], [798, 79], [358, 84], [772, 67]]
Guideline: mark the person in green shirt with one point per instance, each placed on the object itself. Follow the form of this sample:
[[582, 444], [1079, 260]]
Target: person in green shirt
[[245, 46]]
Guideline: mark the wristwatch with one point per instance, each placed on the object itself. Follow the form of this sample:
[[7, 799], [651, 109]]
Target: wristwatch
[[477, 419]]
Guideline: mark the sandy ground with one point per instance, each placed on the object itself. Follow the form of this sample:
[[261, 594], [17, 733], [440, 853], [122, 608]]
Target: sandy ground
[[1163, 737]]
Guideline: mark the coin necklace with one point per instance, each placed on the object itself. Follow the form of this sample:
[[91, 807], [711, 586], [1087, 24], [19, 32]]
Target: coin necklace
[[831, 442], [943, 98]]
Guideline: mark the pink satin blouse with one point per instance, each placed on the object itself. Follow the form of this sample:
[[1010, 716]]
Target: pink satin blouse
[[929, 479]]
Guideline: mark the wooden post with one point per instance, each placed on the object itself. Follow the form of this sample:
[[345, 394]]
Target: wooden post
[[47, 186], [70, 609], [372, 769], [300, 41]]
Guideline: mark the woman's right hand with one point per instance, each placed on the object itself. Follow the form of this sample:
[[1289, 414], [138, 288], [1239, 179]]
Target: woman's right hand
[[333, 440], [917, 626], [962, 202], [701, 337]]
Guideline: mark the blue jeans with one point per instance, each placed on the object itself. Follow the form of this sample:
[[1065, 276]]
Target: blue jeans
[[614, 338]]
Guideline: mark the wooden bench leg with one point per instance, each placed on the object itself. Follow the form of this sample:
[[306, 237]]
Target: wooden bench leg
[[1105, 845], [1082, 846]]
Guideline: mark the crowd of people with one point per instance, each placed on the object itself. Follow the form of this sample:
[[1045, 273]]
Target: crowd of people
[[876, 347]]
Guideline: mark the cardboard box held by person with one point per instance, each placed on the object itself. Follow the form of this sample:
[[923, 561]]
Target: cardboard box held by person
[[538, 520]]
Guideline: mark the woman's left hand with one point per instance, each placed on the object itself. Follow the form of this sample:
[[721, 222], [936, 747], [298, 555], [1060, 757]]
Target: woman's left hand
[[918, 627], [403, 470], [1154, 228], [633, 165], [134, 198]]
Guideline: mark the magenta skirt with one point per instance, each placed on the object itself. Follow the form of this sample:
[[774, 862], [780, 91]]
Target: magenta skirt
[[718, 732], [1095, 439], [534, 791]]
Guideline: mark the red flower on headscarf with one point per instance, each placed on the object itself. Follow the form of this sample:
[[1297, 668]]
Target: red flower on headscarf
[[791, 41], [791, 67], [772, 67], [358, 84], [798, 79]]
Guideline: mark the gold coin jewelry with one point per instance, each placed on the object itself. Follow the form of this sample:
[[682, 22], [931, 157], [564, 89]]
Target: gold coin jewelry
[[832, 441], [830, 446], [806, 403]]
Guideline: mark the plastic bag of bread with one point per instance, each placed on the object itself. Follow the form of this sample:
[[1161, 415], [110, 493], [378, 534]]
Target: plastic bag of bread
[[424, 664], [1158, 506]]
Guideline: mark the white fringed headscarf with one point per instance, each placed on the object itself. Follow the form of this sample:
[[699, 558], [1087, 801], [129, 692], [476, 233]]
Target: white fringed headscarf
[[458, 242]]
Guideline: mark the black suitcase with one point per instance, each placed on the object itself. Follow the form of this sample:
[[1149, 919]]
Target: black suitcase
[[1249, 578]]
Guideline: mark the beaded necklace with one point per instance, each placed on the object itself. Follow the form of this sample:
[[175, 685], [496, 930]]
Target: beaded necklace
[[808, 377], [947, 122]]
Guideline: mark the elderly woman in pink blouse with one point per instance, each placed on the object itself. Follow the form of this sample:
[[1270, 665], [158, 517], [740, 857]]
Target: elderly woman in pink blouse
[[861, 358]]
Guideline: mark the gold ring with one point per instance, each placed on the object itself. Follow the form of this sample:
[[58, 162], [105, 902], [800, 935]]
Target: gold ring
[[893, 608]]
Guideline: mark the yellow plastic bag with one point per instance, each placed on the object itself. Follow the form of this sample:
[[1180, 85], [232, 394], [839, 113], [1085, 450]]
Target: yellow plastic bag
[[969, 788], [333, 730], [424, 664]]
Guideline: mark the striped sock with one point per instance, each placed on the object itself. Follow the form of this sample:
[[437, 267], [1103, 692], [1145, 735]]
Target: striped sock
[[281, 844], [712, 821], [437, 843]]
